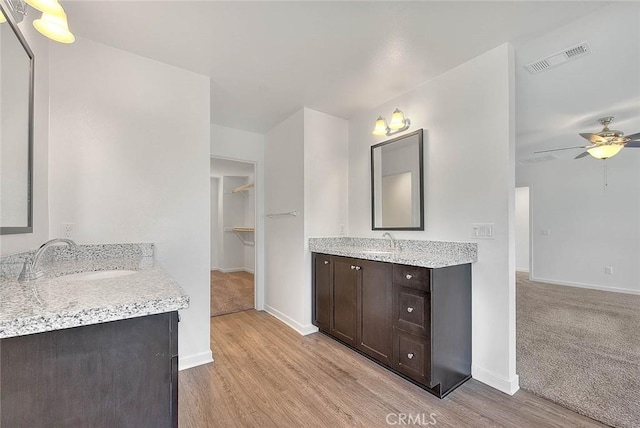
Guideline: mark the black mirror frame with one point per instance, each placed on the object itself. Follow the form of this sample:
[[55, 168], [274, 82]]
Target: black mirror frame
[[419, 133], [6, 11]]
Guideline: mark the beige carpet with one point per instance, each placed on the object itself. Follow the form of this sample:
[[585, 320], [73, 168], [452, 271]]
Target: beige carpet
[[580, 348], [231, 292]]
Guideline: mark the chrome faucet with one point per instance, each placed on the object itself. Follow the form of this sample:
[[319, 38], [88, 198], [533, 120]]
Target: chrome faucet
[[393, 241], [30, 270]]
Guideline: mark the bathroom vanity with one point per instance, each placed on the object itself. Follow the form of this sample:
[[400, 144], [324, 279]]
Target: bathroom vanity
[[408, 309], [96, 345]]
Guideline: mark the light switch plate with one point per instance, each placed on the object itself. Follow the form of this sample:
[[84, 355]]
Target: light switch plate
[[482, 230]]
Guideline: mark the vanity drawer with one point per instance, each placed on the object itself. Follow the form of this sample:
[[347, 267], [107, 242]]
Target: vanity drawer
[[411, 310], [412, 356], [411, 276]]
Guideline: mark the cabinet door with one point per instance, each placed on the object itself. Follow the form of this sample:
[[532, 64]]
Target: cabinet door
[[114, 374], [322, 291], [375, 310], [344, 295]]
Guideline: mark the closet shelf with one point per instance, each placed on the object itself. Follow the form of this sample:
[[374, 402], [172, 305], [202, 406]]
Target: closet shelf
[[240, 233]]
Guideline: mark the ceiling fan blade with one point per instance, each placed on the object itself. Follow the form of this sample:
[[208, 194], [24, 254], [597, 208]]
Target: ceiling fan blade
[[581, 155], [633, 137], [586, 135], [633, 144], [564, 148]]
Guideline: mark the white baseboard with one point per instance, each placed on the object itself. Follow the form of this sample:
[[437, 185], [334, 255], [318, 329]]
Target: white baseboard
[[214, 268], [300, 328], [494, 380], [194, 360], [522, 270], [231, 270], [588, 286], [249, 271]]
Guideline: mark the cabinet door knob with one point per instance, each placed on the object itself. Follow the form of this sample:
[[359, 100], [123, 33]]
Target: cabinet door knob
[[410, 356], [326, 262], [409, 309], [352, 267], [358, 268], [409, 276]]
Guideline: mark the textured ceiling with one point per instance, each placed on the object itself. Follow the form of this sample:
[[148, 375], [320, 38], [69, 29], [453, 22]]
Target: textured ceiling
[[268, 59]]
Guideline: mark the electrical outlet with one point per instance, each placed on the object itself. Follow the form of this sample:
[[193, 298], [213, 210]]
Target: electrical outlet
[[608, 270], [545, 232], [342, 230], [67, 230]]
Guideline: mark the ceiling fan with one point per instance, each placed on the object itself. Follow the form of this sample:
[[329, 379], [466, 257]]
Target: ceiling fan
[[604, 144]]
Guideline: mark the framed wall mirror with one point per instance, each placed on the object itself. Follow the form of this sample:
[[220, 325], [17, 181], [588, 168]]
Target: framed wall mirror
[[397, 181], [16, 127]]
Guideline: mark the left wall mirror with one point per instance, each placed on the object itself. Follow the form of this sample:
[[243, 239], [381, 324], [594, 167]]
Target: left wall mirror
[[16, 127]]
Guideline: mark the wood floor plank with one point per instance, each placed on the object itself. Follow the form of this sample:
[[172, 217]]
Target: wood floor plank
[[267, 375]]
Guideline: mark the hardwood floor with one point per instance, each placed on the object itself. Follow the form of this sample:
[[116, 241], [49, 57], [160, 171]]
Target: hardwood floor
[[267, 375]]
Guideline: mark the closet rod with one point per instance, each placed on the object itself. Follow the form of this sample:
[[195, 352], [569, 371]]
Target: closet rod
[[290, 213]]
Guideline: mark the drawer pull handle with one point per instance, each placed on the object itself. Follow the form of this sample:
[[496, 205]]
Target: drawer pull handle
[[410, 356], [326, 262], [409, 309], [358, 268], [409, 276]]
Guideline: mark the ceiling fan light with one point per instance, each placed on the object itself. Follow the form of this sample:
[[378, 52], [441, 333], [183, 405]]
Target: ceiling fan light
[[2, 18], [397, 120], [605, 151], [55, 26], [381, 127]]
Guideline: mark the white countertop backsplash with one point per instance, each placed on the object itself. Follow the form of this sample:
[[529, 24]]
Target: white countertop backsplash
[[66, 302]]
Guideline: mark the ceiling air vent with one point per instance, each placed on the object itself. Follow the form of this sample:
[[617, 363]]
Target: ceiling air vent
[[569, 54], [537, 159]]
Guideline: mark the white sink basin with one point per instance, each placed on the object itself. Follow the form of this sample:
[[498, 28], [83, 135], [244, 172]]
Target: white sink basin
[[101, 274]]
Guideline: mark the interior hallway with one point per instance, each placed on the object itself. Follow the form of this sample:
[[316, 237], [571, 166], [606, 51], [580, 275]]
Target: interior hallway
[[267, 375]]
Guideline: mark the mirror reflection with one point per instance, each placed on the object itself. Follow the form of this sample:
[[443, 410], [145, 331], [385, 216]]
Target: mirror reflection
[[16, 61], [396, 184]]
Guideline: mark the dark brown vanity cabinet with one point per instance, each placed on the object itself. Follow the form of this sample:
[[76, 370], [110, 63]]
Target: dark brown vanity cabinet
[[415, 321], [115, 374]]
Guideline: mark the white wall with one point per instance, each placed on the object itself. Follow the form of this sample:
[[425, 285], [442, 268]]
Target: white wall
[[467, 115], [129, 162], [306, 171], [244, 146], [522, 229], [215, 233], [17, 243], [284, 236], [588, 228]]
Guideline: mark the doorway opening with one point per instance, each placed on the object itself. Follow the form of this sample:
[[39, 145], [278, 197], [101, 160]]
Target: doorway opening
[[233, 255]]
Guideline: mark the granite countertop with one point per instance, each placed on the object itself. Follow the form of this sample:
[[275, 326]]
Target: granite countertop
[[430, 254], [66, 300]]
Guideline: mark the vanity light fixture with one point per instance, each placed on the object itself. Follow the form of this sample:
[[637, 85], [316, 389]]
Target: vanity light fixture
[[398, 123], [53, 22]]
